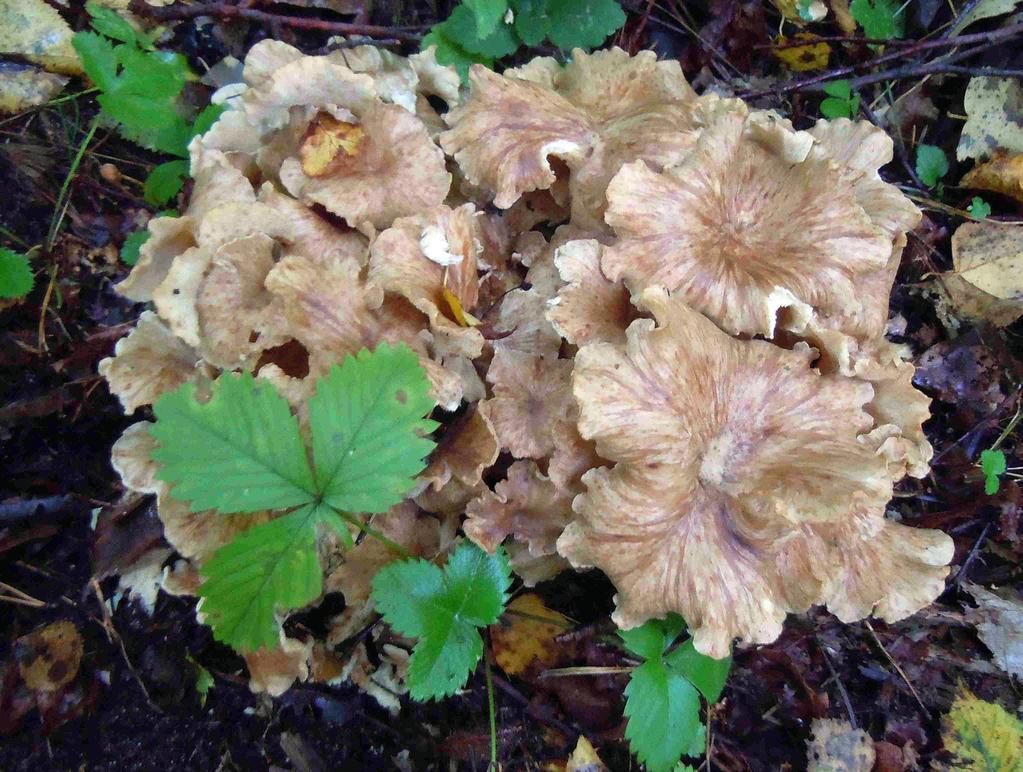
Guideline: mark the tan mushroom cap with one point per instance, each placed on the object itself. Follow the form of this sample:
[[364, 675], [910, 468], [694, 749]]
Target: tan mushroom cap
[[601, 110], [526, 505], [431, 260], [147, 363], [726, 450], [589, 308], [531, 396], [740, 231]]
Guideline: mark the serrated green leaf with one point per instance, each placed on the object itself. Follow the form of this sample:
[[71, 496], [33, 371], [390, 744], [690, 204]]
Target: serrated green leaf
[[705, 673], [16, 277], [583, 23], [488, 14], [98, 58], [239, 452], [460, 29], [931, 164], [443, 609], [663, 710], [880, 19], [164, 182], [269, 568], [206, 118], [662, 698], [173, 138], [108, 22], [153, 74], [992, 464], [138, 113], [367, 428], [132, 245], [450, 53], [532, 20]]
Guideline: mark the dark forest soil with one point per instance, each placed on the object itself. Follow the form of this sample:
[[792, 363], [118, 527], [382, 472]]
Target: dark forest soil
[[66, 530]]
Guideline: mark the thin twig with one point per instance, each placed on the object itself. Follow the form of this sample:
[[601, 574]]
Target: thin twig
[[838, 682], [491, 707], [222, 10], [897, 668], [563, 672]]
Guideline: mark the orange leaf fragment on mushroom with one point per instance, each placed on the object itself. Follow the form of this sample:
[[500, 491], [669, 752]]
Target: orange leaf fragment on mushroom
[[329, 145]]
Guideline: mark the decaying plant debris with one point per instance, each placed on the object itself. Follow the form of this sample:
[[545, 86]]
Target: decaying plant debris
[[654, 320]]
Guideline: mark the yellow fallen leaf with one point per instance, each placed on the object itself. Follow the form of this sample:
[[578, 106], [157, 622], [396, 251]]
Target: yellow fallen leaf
[[463, 317], [843, 16], [584, 758], [986, 281], [522, 640], [49, 657], [994, 110], [1002, 174], [36, 31], [982, 736], [23, 86], [813, 56], [329, 145]]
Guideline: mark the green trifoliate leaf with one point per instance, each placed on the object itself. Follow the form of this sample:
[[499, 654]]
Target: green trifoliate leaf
[[992, 464], [16, 277], [273, 567], [662, 698], [931, 164], [368, 429], [165, 181], [443, 609], [241, 451], [583, 23], [488, 13]]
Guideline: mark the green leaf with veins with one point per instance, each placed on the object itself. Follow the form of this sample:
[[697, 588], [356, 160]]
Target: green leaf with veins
[[532, 20], [107, 21], [880, 19], [132, 244], [241, 451], [460, 27], [443, 609], [164, 182], [98, 58], [931, 164], [663, 696]]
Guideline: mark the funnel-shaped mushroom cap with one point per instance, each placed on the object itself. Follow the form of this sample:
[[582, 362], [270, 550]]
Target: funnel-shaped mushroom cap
[[725, 450], [601, 110], [740, 230]]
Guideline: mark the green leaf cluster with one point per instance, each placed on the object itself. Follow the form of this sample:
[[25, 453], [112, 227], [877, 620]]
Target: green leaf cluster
[[140, 90], [241, 450], [482, 31], [16, 277], [880, 19], [841, 102], [662, 700], [979, 208], [992, 464], [931, 164], [443, 609]]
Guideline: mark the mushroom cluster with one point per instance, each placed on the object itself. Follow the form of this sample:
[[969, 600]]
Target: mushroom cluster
[[653, 322]]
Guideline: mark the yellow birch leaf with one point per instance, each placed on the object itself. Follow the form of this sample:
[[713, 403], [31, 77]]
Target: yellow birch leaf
[[813, 56], [1002, 174], [584, 758], [23, 86], [986, 282], [982, 736], [994, 110], [522, 640], [36, 31]]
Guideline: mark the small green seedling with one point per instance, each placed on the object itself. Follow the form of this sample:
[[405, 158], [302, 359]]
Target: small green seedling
[[880, 19], [444, 610], [16, 279], [979, 208], [242, 451], [992, 464], [662, 700], [482, 31], [841, 101], [931, 164], [140, 90]]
